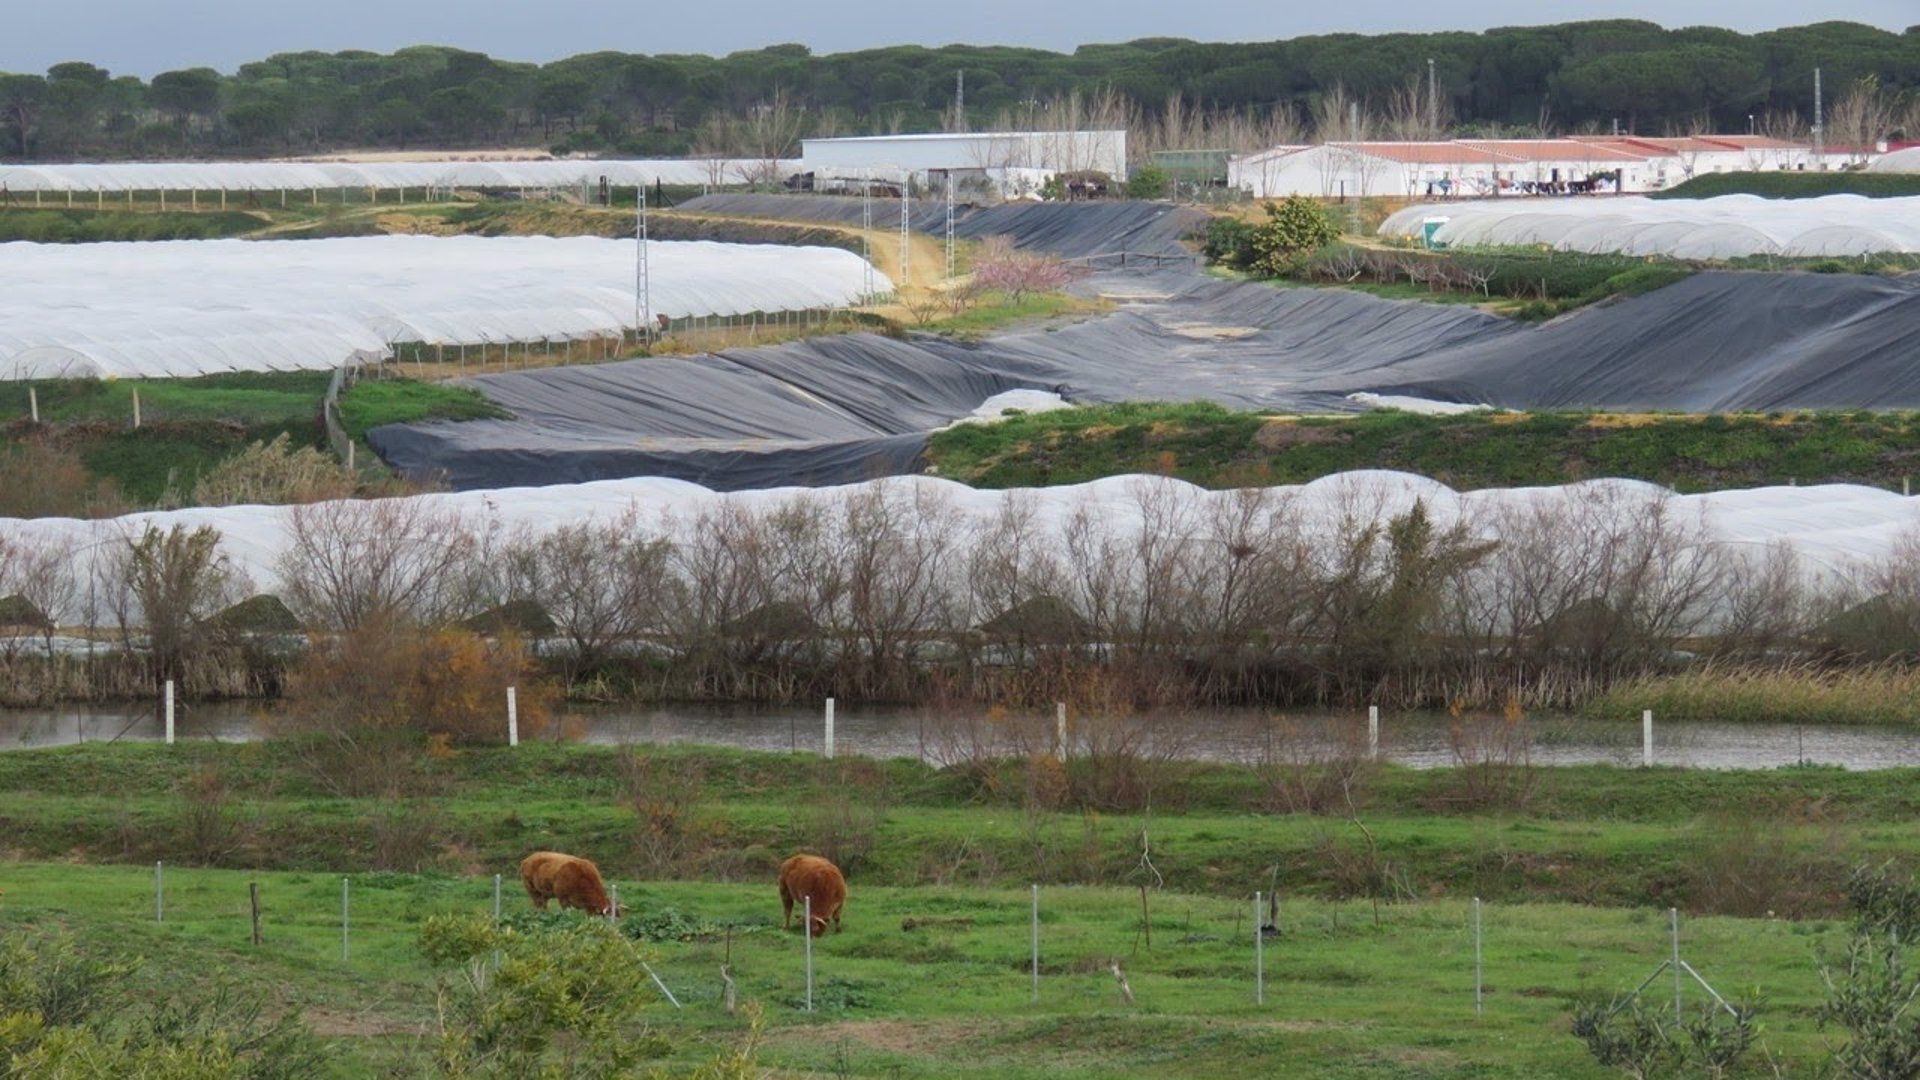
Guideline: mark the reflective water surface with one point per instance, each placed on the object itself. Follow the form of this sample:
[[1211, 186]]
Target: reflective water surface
[[1417, 739]]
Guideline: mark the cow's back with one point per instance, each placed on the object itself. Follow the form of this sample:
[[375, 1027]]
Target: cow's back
[[813, 877], [570, 879]]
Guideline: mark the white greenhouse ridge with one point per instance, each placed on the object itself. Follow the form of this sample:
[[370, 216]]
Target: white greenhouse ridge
[[1837, 530], [1900, 161], [199, 307], [125, 176], [1726, 227]]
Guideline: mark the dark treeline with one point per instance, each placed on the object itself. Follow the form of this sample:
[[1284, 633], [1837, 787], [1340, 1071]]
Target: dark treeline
[[1552, 78]]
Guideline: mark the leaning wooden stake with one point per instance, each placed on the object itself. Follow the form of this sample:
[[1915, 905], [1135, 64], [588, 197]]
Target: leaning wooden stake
[[253, 896], [1126, 992], [726, 974]]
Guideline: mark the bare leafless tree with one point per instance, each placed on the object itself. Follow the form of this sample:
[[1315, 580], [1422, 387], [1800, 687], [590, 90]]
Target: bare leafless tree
[[1863, 116], [349, 563], [602, 583]]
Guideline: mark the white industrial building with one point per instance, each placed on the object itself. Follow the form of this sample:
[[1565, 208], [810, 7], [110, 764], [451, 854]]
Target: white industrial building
[[1009, 163], [1483, 168]]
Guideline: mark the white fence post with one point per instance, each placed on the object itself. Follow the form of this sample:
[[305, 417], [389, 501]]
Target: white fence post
[[33, 403], [613, 906], [829, 745], [1373, 732], [1060, 728], [1673, 915], [167, 693], [1036, 942], [1478, 967], [160, 892], [1646, 737], [513, 716], [496, 917], [343, 920], [1259, 954], [807, 930]]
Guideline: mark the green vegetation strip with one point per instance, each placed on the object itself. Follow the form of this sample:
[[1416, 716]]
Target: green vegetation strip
[[1794, 185], [1216, 447]]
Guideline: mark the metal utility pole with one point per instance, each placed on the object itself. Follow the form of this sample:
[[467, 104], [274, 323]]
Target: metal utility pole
[[1819, 125], [1433, 100], [642, 284], [960, 100], [866, 232]]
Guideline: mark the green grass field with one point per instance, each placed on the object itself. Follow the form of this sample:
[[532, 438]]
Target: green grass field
[[371, 403], [1345, 996], [1216, 447], [1577, 878]]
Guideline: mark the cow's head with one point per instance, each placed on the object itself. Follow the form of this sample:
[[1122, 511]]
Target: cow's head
[[817, 926], [611, 910]]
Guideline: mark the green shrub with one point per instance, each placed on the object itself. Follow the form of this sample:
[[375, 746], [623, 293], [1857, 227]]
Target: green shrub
[[1294, 229], [564, 1002], [1229, 241], [1148, 182]]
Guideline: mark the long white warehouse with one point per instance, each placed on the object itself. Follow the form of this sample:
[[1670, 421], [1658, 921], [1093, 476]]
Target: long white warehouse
[[1009, 161], [1504, 167], [197, 307]]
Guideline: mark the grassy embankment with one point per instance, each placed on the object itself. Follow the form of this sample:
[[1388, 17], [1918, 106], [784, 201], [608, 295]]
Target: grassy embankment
[[1794, 185], [1348, 995], [189, 426], [1216, 447]]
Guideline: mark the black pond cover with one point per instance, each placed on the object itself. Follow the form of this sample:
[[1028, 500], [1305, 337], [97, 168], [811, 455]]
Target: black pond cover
[[847, 409]]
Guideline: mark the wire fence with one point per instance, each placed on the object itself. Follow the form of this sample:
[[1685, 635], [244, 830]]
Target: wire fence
[[1054, 938]]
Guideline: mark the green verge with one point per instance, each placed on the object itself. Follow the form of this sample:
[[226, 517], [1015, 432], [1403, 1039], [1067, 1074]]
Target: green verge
[[1574, 880], [187, 425], [1215, 447], [1794, 185], [268, 397], [81, 226], [1582, 834]]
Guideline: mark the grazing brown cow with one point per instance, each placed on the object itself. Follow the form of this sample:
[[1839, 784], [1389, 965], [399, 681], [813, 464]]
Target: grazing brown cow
[[570, 879], [810, 877]]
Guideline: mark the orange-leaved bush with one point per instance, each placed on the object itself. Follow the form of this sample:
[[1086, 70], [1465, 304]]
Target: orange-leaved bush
[[447, 684]]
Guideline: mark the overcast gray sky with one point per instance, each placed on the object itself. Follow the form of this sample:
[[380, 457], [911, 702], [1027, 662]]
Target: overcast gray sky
[[146, 36]]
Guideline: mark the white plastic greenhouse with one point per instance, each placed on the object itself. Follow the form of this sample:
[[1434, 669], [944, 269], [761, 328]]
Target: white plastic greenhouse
[[384, 175], [1835, 530], [1728, 227], [1900, 161], [194, 307]]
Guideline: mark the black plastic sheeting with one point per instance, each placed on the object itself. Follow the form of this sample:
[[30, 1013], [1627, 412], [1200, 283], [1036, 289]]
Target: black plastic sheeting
[[1071, 230], [841, 410], [1715, 342], [823, 411]]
